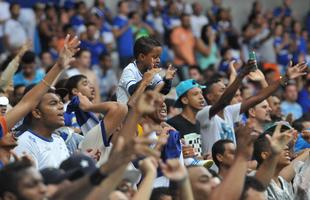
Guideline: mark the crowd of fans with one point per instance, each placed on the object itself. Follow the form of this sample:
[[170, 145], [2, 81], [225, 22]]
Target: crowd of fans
[[158, 100]]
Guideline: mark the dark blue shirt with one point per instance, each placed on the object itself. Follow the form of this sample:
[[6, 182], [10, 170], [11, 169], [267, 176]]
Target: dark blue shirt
[[125, 41], [96, 48], [304, 100]]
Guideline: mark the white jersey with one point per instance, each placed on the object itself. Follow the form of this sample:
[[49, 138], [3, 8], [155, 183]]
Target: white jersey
[[130, 76], [45, 152], [217, 128]]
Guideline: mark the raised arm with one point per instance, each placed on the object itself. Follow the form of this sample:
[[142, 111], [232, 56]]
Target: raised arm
[[179, 181], [148, 166], [292, 73], [8, 73], [33, 97], [229, 93], [277, 142]]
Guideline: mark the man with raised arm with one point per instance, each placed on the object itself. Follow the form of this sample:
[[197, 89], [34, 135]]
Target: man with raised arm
[[218, 118]]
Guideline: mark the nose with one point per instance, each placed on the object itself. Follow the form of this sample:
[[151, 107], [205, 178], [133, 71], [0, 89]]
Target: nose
[[42, 189]]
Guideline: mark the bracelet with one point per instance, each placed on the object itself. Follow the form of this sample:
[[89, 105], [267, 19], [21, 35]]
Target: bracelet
[[46, 83], [96, 177]]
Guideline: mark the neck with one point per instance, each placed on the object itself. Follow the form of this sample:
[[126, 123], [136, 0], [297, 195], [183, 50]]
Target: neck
[[276, 175], [258, 126], [42, 130], [140, 67], [189, 114], [223, 171]]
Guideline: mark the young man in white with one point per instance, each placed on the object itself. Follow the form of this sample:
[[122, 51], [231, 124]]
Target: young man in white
[[44, 147]]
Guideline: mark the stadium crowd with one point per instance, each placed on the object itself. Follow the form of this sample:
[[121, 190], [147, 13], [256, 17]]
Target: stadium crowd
[[153, 100]]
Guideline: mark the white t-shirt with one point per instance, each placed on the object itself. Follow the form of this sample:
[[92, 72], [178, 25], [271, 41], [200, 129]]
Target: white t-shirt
[[130, 76], [16, 34], [197, 23], [216, 128], [45, 152]]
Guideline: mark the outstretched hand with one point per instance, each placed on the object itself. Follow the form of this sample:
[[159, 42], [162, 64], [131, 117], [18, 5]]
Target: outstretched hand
[[278, 141], [170, 73], [297, 70], [245, 140], [68, 51], [257, 75], [149, 75], [148, 101], [249, 67]]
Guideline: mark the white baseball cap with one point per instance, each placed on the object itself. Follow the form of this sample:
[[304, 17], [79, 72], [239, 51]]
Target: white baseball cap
[[4, 101]]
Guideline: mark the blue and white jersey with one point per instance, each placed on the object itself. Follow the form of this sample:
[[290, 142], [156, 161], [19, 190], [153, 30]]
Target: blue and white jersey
[[130, 76], [45, 152]]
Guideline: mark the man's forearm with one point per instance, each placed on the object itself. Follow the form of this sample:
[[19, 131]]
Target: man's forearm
[[233, 183], [261, 96], [266, 171], [145, 189], [108, 185], [226, 97], [32, 98]]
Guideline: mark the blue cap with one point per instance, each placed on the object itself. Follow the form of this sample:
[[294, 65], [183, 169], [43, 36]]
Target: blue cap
[[184, 87]]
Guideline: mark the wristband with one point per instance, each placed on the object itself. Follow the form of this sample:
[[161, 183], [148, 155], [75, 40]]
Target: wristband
[[96, 177], [46, 83]]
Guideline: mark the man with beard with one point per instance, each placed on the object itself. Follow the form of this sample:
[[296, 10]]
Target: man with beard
[[259, 115]]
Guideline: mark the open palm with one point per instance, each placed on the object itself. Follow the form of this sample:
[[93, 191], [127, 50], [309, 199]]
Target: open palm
[[297, 70], [279, 140], [68, 51]]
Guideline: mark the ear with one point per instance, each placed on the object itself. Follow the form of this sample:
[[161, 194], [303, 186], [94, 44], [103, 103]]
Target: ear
[[264, 155], [209, 96], [36, 113], [9, 196], [219, 157], [141, 56], [75, 91], [251, 112], [184, 100]]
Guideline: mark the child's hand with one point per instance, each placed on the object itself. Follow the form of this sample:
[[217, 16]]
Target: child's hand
[[170, 73], [149, 75]]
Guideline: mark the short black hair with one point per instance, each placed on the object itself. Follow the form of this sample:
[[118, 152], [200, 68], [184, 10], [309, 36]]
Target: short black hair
[[208, 87], [29, 57], [298, 124], [157, 193], [219, 148], [145, 45], [196, 67], [72, 83], [11, 174], [16, 87], [104, 55], [261, 145], [251, 182]]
